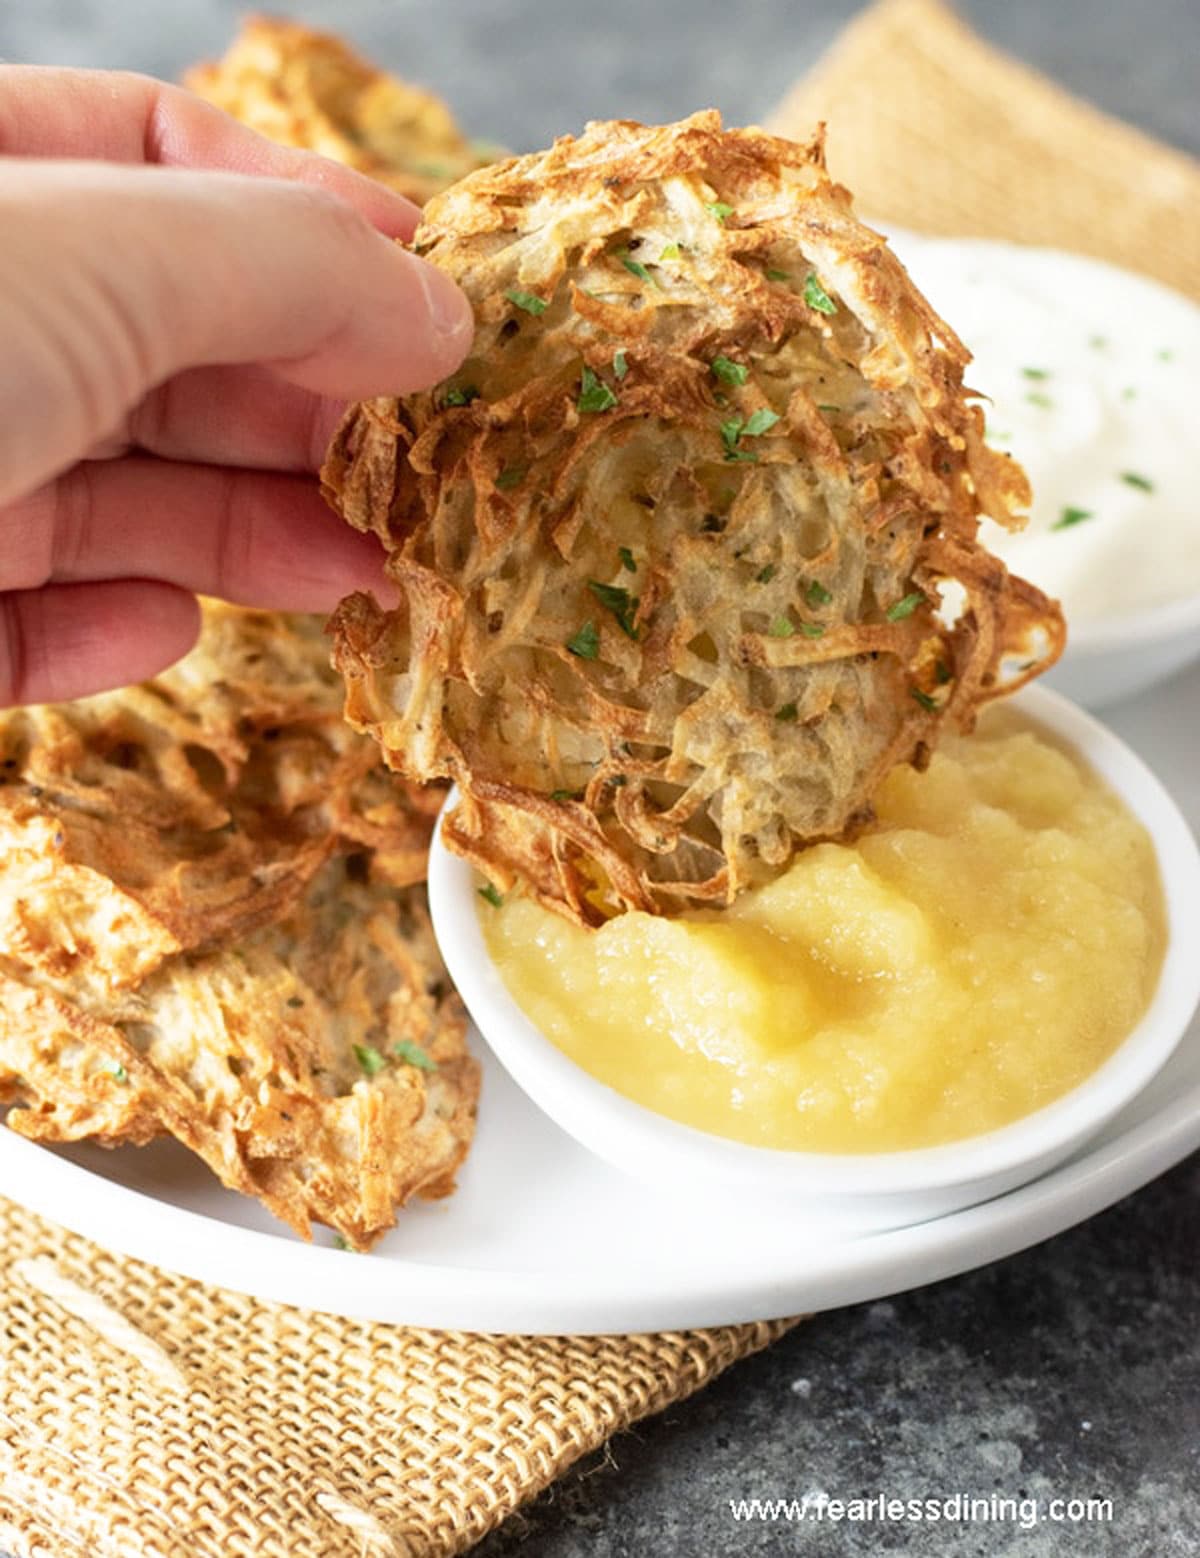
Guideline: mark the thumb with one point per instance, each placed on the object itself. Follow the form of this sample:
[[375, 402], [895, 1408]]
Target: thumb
[[113, 279]]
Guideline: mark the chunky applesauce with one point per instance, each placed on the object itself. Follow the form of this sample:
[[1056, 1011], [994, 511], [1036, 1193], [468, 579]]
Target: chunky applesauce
[[977, 953]]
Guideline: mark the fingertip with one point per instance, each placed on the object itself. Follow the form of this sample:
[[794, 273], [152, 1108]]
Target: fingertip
[[71, 640]]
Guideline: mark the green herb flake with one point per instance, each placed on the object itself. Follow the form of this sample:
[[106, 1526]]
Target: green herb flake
[[1036, 398], [489, 894], [413, 1055], [594, 394], [719, 210], [369, 1059], [622, 605], [1036, 373], [1142, 483], [565, 795], [620, 363], [636, 268], [586, 643], [339, 1243], [930, 705], [813, 629], [461, 397], [943, 673], [817, 594], [529, 301], [731, 431], [1129, 394], [295, 1001], [730, 372], [1071, 516], [828, 409], [1098, 342], [118, 1072], [760, 422], [780, 627], [816, 296], [788, 714], [765, 575], [628, 561], [776, 275], [510, 477], [900, 609], [671, 251], [1165, 354]]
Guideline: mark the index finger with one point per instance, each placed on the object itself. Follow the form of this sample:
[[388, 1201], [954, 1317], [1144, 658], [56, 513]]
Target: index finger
[[118, 116]]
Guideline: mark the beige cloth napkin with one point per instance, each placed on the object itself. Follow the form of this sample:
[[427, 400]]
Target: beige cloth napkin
[[143, 1416]]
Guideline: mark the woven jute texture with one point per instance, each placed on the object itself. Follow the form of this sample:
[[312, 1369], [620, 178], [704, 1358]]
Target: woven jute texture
[[142, 1416], [935, 130]]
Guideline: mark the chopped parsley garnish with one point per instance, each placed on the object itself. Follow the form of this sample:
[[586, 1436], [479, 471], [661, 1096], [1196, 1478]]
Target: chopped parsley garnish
[[731, 431], [780, 627], [1132, 479], [759, 422], [117, 1071], [490, 895], [620, 364], [529, 301], [754, 426], [829, 408], [816, 296], [461, 397], [943, 672], [1129, 394], [414, 1055], [1071, 516], [817, 594], [339, 1243], [787, 714], [1165, 354], [930, 705], [594, 394], [900, 609], [565, 795], [586, 643], [619, 781], [765, 575], [813, 629], [718, 209], [671, 251], [369, 1058], [636, 268], [730, 372], [628, 562], [1036, 398], [510, 477], [1036, 373], [622, 605], [776, 275]]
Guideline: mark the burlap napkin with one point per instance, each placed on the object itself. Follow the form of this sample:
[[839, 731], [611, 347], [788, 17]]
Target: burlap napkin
[[142, 1416]]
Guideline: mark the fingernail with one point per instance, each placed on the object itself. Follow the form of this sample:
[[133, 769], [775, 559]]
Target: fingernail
[[449, 311]]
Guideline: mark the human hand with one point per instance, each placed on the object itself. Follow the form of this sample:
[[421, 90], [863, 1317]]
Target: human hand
[[184, 307]]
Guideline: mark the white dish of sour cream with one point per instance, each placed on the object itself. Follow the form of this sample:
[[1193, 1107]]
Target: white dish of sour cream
[[1087, 373]]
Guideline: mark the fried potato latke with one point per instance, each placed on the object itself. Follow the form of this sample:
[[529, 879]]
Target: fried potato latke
[[687, 548], [210, 927], [308, 89]]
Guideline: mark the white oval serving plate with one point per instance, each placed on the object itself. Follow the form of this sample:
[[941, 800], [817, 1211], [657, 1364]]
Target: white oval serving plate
[[544, 1237]]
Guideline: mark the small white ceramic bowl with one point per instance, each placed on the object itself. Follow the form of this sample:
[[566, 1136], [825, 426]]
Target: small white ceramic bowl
[[854, 1192]]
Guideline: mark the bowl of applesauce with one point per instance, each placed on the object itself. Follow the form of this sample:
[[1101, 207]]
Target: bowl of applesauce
[[898, 1026]]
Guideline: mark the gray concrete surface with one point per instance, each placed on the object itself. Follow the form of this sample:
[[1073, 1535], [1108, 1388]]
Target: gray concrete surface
[[1072, 1371]]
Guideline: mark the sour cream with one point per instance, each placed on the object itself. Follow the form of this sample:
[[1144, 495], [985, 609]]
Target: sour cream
[[1091, 375]]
